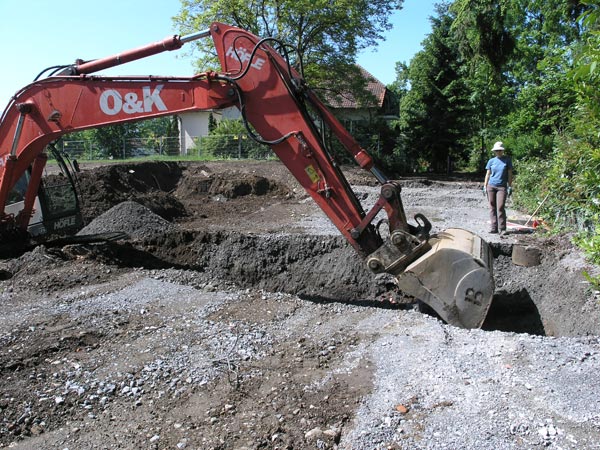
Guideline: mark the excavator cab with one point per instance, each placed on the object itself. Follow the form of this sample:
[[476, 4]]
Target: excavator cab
[[56, 208]]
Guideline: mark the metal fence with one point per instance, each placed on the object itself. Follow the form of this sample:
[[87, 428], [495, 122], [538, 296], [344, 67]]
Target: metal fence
[[128, 148], [205, 147], [229, 147]]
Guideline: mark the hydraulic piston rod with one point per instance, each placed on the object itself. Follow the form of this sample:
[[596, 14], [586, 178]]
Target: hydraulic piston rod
[[167, 44]]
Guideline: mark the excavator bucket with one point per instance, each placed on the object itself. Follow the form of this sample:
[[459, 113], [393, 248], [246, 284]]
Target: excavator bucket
[[455, 277]]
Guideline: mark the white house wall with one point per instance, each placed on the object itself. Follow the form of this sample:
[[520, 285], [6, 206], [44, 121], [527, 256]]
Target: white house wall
[[195, 124]]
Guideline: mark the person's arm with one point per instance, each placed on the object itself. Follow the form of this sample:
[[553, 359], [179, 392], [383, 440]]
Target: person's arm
[[487, 178], [510, 176]]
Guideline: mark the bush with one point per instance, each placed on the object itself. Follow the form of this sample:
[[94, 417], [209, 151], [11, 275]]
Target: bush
[[230, 139], [569, 182]]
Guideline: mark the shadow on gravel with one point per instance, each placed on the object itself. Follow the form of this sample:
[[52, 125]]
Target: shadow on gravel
[[514, 312], [121, 255], [365, 303]]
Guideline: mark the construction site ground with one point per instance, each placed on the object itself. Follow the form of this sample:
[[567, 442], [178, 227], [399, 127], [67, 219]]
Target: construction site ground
[[224, 311]]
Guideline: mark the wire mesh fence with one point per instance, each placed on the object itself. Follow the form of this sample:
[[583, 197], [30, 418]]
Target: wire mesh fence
[[229, 147], [204, 147]]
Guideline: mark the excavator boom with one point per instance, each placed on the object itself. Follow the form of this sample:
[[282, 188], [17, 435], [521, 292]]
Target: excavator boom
[[451, 271]]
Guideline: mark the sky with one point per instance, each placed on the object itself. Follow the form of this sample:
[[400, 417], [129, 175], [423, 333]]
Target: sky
[[37, 34]]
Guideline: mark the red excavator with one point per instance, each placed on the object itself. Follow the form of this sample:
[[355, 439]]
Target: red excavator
[[450, 271]]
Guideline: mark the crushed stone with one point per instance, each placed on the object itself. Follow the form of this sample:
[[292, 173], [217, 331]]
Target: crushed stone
[[129, 217]]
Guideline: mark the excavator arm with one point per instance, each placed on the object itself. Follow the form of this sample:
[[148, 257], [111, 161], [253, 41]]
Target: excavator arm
[[450, 271]]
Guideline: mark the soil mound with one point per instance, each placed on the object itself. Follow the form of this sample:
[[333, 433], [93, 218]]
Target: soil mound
[[137, 221], [169, 189], [230, 184], [320, 268], [150, 184]]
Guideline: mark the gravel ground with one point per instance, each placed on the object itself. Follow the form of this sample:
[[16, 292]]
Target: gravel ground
[[100, 353]]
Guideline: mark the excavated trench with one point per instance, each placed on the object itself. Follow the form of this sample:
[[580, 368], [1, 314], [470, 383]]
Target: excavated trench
[[535, 300], [319, 268]]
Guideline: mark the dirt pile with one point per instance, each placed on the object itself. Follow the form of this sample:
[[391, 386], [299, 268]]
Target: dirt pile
[[149, 184], [131, 218], [229, 184], [165, 187]]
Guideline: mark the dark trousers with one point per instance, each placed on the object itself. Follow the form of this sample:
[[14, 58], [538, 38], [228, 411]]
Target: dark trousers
[[497, 198]]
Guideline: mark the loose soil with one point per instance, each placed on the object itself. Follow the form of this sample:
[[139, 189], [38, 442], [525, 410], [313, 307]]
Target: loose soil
[[218, 308]]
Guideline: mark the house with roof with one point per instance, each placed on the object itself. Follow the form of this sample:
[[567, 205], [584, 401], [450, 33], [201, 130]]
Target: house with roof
[[381, 104]]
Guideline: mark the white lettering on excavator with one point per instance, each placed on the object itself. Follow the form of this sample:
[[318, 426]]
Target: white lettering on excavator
[[65, 222], [112, 102], [242, 55]]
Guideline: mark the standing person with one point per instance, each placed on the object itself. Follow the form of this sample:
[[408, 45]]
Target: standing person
[[498, 186]]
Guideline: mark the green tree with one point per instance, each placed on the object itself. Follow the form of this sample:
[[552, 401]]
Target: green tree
[[479, 27], [229, 139], [400, 86], [166, 126], [327, 35], [486, 46], [212, 123], [545, 32], [435, 112], [115, 140], [518, 53], [586, 73]]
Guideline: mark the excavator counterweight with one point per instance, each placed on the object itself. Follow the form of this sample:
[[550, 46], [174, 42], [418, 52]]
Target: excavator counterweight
[[451, 270]]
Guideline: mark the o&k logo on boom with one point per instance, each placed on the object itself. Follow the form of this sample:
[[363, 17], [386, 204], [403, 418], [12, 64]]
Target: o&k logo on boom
[[242, 55], [112, 102]]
